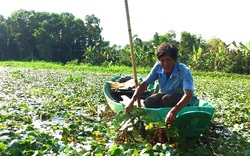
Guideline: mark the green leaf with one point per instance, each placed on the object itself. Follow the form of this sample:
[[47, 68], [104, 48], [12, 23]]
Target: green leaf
[[15, 151], [3, 147]]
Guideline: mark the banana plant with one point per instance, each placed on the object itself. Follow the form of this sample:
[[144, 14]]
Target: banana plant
[[244, 51]]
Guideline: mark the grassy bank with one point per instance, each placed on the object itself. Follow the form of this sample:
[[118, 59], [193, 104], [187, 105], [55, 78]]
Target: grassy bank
[[72, 66], [107, 69]]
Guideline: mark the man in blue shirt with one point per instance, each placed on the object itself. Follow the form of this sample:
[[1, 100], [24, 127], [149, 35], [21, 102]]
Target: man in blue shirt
[[176, 88]]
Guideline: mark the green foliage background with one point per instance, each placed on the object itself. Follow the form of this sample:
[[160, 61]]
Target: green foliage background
[[29, 35]]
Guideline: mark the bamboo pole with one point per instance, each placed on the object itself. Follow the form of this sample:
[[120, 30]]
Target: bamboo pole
[[131, 48]]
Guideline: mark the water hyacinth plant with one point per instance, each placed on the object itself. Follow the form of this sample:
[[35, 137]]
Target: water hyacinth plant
[[59, 111]]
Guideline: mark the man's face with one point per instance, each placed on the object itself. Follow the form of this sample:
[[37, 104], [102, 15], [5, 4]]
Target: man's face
[[167, 63]]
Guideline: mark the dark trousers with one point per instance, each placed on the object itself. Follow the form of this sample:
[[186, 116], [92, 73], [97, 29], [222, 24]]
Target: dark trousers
[[162, 100]]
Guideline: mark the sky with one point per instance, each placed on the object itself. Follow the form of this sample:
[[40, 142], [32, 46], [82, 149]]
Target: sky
[[227, 20]]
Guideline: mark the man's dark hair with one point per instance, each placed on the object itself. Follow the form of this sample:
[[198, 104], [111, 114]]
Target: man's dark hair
[[167, 49]]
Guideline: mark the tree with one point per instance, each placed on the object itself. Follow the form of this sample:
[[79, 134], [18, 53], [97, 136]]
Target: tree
[[94, 40], [79, 33], [186, 45], [21, 30], [3, 38], [44, 39]]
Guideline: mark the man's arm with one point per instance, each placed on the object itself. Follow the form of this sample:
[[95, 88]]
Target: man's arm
[[138, 92], [171, 116]]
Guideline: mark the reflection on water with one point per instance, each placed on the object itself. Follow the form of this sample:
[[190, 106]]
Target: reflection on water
[[51, 126]]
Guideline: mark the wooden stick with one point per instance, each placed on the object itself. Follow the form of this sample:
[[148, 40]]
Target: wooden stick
[[132, 49]]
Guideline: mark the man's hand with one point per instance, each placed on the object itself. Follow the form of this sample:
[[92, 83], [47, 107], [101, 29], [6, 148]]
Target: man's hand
[[129, 107], [138, 92], [170, 117]]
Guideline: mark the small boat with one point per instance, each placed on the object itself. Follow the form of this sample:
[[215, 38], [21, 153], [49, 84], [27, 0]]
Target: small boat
[[191, 121]]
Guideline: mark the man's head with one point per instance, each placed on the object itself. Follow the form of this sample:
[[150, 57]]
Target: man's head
[[167, 56], [167, 49]]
